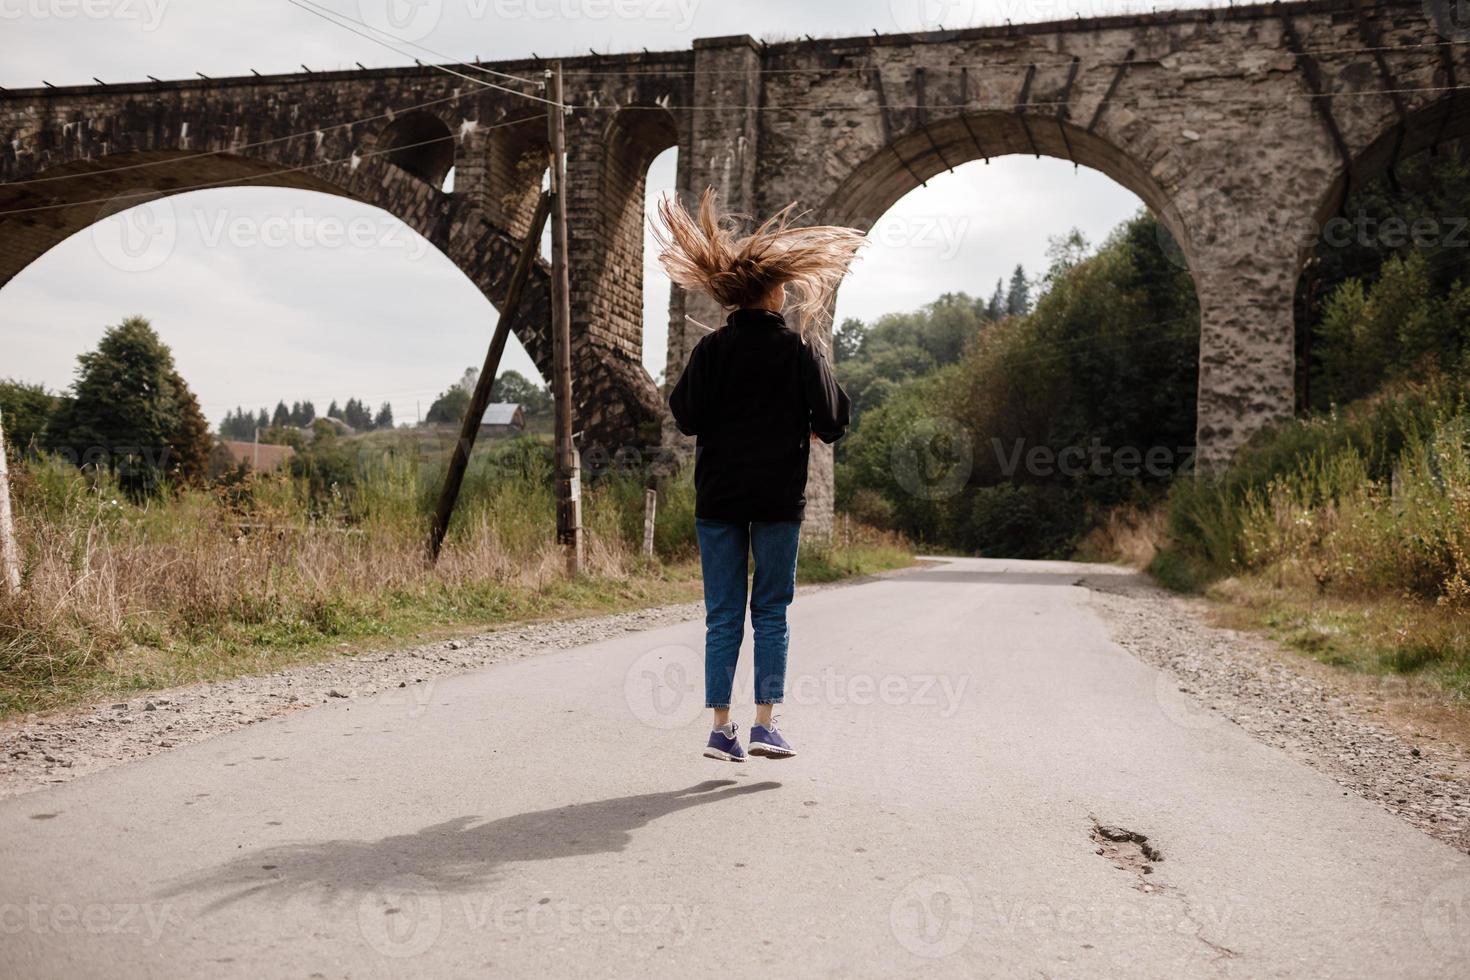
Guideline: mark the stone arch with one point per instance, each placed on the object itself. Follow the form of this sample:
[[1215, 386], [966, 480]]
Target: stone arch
[[630, 140], [514, 158], [608, 158], [1421, 129], [895, 169], [419, 143], [484, 252]]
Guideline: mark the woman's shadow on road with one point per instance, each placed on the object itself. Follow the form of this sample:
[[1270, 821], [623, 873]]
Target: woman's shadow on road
[[456, 855]]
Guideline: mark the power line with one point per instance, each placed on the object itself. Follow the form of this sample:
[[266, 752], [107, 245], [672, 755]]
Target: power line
[[475, 66], [144, 195], [241, 146], [329, 17]]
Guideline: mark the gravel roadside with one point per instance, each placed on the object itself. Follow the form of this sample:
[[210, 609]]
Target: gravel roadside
[[1339, 724], [59, 746]]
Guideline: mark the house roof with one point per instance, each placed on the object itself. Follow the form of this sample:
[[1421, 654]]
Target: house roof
[[501, 413], [270, 457]]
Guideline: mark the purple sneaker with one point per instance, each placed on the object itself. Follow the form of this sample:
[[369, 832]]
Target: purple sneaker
[[766, 741], [723, 745]]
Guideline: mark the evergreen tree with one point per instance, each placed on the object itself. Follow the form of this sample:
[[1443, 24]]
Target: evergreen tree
[[308, 412], [1018, 297], [996, 309], [129, 410], [355, 414], [384, 419], [334, 411], [282, 415], [190, 440], [238, 425], [262, 421]]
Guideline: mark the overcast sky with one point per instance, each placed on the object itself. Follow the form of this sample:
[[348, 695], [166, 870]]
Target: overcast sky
[[266, 293]]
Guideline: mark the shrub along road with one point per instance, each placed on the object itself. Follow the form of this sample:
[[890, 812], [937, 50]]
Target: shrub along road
[[987, 785]]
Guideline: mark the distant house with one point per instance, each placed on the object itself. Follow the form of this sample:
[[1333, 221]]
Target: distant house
[[503, 419], [338, 426], [263, 457]]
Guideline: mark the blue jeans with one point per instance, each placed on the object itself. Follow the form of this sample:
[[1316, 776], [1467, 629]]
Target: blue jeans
[[723, 550]]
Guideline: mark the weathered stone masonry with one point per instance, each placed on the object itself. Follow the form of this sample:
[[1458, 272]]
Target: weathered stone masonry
[[1241, 128]]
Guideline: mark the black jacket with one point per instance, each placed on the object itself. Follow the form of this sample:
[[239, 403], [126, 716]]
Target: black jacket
[[752, 393]]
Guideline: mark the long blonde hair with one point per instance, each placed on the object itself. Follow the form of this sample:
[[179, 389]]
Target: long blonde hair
[[706, 252]]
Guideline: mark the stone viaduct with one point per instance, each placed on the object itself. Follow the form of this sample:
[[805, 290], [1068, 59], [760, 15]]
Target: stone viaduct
[[1241, 128]]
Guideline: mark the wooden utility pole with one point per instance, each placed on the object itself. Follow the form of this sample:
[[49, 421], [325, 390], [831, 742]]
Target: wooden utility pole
[[469, 426], [650, 512], [9, 550], [568, 464]]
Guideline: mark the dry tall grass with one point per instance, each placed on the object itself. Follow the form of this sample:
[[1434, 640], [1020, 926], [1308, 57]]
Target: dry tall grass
[[263, 562]]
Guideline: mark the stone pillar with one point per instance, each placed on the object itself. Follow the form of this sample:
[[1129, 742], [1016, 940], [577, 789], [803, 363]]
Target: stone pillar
[[820, 478], [617, 407], [1245, 273], [717, 149]]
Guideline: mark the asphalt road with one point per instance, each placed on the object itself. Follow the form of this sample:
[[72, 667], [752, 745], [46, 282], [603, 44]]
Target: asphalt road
[[962, 729]]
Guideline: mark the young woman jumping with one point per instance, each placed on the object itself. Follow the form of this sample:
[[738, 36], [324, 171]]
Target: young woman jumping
[[753, 393]]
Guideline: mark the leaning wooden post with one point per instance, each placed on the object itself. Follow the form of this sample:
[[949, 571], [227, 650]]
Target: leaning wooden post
[[568, 464], [650, 510], [9, 550], [469, 426]]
